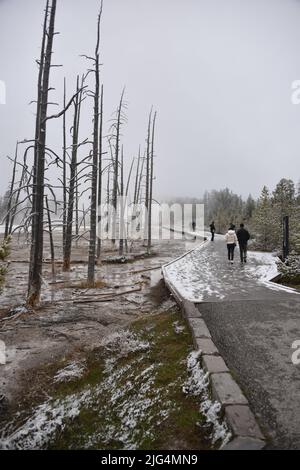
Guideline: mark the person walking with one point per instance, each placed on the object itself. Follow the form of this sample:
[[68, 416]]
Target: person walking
[[243, 236], [212, 230], [231, 241]]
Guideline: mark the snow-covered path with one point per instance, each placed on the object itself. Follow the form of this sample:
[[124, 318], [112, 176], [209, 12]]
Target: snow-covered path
[[254, 323], [204, 275]]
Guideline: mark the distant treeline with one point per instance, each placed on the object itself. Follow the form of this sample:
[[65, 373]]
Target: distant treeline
[[263, 216]]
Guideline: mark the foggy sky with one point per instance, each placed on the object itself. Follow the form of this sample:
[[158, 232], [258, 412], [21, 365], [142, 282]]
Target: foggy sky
[[219, 73]]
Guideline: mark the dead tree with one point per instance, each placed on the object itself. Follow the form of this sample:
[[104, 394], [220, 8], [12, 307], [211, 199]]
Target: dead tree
[[11, 196], [40, 151], [50, 237], [17, 207], [73, 182], [137, 176], [116, 135], [147, 189], [139, 188], [64, 172], [36, 256], [95, 162], [121, 206], [100, 170], [151, 186]]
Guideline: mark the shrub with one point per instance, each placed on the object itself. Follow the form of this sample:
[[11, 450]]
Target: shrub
[[290, 268]]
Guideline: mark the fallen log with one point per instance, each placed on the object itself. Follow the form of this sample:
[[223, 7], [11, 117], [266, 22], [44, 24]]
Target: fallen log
[[139, 270], [104, 298]]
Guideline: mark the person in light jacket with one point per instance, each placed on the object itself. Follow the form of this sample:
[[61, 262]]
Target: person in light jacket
[[231, 240]]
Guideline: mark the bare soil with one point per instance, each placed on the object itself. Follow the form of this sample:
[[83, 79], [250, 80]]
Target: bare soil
[[72, 318]]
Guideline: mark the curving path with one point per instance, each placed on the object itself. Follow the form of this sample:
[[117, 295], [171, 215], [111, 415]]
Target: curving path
[[253, 323]]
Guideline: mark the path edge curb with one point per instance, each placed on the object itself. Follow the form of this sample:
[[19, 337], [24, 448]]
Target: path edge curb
[[245, 430]]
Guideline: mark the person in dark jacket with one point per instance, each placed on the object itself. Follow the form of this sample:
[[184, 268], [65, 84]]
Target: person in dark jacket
[[212, 230], [243, 236]]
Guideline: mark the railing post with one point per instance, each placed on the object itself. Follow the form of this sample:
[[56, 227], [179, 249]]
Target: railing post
[[285, 238]]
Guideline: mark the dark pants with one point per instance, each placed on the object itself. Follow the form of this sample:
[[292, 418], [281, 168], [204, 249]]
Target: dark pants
[[243, 252], [212, 236], [230, 249]]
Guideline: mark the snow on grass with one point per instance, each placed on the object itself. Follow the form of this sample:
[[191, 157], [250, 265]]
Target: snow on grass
[[40, 428], [178, 328], [264, 269], [46, 419], [123, 409], [72, 371], [197, 385], [264, 265], [121, 344]]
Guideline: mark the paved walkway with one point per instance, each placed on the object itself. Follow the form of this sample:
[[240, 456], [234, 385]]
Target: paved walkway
[[254, 324]]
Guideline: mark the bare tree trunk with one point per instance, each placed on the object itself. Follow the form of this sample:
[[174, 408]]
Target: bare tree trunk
[[84, 223], [50, 237], [76, 175], [76, 209], [11, 195], [151, 186], [121, 208], [93, 214], [138, 196], [35, 271], [37, 131], [108, 198], [116, 162], [64, 176], [72, 185], [137, 178], [147, 178], [16, 200], [100, 169]]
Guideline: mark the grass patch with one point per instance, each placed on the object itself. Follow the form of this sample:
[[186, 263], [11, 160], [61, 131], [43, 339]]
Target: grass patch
[[129, 395], [289, 280]]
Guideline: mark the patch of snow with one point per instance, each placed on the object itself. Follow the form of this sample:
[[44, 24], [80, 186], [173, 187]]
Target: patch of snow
[[21, 309], [265, 269], [37, 431], [192, 276], [123, 343], [72, 371], [205, 274], [178, 328], [133, 401], [197, 385]]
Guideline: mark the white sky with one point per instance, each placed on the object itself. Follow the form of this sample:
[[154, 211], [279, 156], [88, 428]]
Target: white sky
[[219, 73]]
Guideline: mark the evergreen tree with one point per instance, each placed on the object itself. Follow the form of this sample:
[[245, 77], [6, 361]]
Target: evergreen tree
[[264, 223], [284, 197], [250, 206]]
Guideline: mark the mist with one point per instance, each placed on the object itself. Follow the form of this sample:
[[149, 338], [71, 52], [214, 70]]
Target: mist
[[218, 73]]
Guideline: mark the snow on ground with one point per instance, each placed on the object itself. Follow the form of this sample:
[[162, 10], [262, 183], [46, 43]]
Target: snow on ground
[[264, 269], [178, 328], [205, 274], [198, 385], [127, 405], [72, 371], [121, 343], [193, 277], [38, 430]]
